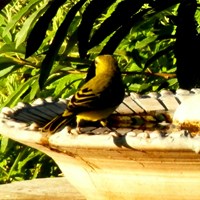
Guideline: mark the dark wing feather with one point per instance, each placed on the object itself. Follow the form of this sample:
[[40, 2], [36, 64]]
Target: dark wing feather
[[90, 95], [59, 122]]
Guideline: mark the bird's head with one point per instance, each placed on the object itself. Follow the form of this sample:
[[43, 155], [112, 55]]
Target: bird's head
[[105, 64]]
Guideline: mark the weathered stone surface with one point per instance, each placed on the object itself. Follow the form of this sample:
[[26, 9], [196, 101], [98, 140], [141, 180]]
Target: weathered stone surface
[[187, 115], [125, 163], [40, 189]]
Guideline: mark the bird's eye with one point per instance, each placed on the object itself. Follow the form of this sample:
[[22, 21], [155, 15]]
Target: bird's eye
[[95, 62]]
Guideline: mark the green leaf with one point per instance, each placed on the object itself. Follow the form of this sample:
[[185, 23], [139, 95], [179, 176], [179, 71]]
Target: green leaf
[[27, 157], [158, 55], [70, 44], [29, 23], [93, 10], [25, 9], [6, 62], [133, 23], [8, 70], [34, 90], [4, 144], [56, 43], [10, 47], [37, 34], [116, 20], [64, 84], [31, 93], [145, 42], [16, 96]]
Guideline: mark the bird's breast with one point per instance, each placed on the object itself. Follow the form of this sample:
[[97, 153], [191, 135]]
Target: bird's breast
[[95, 115]]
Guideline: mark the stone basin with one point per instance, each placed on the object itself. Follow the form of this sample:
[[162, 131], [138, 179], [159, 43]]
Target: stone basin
[[125, 163]]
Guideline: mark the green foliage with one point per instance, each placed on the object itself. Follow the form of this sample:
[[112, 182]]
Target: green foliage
[[52, 34], [142, 36], [47, 46], [17, 20], [18, 162]]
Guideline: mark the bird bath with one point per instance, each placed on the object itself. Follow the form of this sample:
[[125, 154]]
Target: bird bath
[[125, 163]]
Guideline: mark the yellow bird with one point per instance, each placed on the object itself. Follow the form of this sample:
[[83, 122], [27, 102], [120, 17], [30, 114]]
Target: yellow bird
[[96, 99]]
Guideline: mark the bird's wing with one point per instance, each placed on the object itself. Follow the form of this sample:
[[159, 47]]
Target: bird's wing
[[58, 122], [89, 96], [83, 99]]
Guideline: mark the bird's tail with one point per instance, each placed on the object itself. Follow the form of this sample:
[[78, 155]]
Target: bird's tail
[[58, 122]]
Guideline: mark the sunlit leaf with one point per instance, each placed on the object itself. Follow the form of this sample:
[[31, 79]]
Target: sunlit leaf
[[116, 20], [29, 23], [16, 96], [36, 37], [10, 47], [8, 70], [93, 10], [17, 16], [145, 42], [6, 62], [56, 43]]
